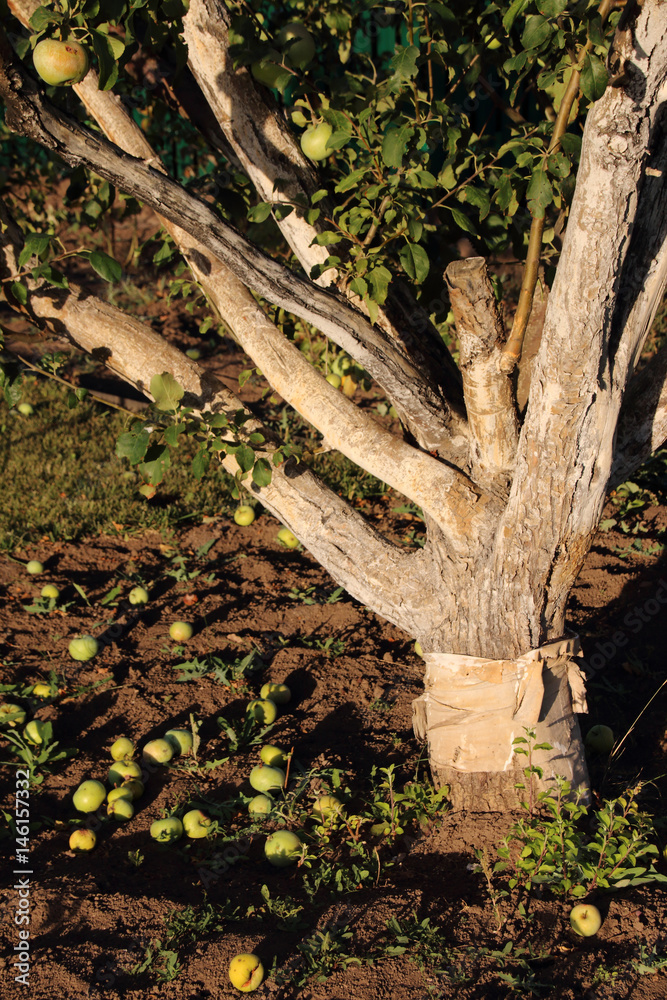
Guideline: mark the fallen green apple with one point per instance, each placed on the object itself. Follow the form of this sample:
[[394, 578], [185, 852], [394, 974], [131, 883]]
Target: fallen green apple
[[158, 752], [83, 648], [180, 631], [60, 63], [585, 920], [122, 748], [244, 515], [121, 792], [138, 595], [50, 591], [326, 806], [246, 972], [272, 756], [34, 732], [42, 691], [11, 714], [263, 710], [134, 787], [25, 409], [123, 770], [334, 380], [82, 840], [121, 809], [34, 567], [180, 740], [260, 805], [196, 824], [167, 831], [89, 796], [267, 779], [600, 739], [288, 538], [278, 693], [282, 848]]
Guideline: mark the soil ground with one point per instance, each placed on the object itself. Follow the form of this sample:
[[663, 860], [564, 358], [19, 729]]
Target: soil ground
[[95, 918]]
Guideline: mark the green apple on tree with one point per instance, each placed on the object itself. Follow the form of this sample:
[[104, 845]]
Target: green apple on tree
[[60, 63], [167, 831], [283, 848], [81, 840], [268, 70], [89, 796], [84, 648], [314, 141], [585, 920], [297, 43], [246, 972], [263, 710]]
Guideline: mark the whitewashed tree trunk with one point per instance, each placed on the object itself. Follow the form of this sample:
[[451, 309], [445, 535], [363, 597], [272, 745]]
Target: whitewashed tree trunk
[[511, 498]]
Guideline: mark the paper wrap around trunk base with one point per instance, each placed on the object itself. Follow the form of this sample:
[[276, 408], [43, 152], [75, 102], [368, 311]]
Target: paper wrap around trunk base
[[473, 708]]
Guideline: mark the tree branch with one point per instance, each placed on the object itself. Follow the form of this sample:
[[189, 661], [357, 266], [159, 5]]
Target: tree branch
[[492, 417]]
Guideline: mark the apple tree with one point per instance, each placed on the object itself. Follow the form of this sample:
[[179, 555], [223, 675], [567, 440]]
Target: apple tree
[[339, 152]]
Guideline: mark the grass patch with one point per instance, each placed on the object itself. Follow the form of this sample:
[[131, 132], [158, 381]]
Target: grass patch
[[63, 481]]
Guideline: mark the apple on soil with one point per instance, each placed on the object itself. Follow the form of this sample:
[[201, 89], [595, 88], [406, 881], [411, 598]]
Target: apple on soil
[[138, 595], [282, 848], [244, 515], [272, 756], [585, 919], [12, 715], [60, 63], [314, 141], [83, 648], [260, 806], [34, 732], [123, 770], [600, 739], [167, 831], [41, 691], [267, 779], [25, 409], [288, 538], [263, 710], [196, 824], [122, 748], [82, 840], [180, 740], [180, 631], [121, 809], [50, 591], [326, 806], [158, 752], [89, 796], [246, 972], [34, 567], [278, 693]]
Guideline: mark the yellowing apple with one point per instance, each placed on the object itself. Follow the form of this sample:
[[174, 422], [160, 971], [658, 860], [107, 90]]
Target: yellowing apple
[[50, 591], [25, 409], [244, 515], [138, 595], [60, 63], [121, 809], [158, 752], [334, 380], [82, 840], [267, 779], [84, 648], [314, 141], [326, 806], [262, 710], [196, 824], [288, 538], [122, 748], [11, 715], [34, 567], [246, 973], [180, 631], [167, 831], [272, 756], [585, 919], [42, 691], [278, 693], [259, 806], [89, 796], [34, 732]]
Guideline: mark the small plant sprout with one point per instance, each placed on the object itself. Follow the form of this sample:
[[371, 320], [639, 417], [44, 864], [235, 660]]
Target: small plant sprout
[[244, 515], [262, 710], [34, 567], [89, 796], [82, 840], [180, 631], [122, 748], [84, 648], [283, 848], [246, 973], [278, 693]]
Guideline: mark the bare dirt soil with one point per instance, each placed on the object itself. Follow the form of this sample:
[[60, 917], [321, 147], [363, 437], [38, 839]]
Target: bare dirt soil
[[122, 920]]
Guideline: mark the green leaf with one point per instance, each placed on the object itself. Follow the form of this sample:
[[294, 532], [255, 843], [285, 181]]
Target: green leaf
[[379, 279], [536, 32], [462, 221], [514, 11], [35, 243], [106, 266], [172, 434], [166, 391], [404, 63], [260, 213], [414, 261], [551, 8], [132, 445], [106, 59], [200, 463], [43, 17], [394, 145], [156, 464], [594, 77], [245, 456], [19, 291], [351, 181], [261, 472], [539, 193]]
